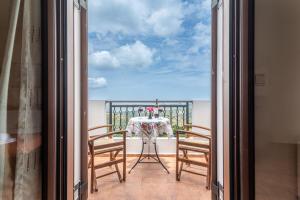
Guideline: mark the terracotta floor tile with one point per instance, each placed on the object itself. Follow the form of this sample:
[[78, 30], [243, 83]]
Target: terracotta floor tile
[[151, 182]]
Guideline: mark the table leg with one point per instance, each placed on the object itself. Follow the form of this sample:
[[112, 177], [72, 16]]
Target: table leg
[[139, 159], [149, 149], [148, 156], [159, 159]]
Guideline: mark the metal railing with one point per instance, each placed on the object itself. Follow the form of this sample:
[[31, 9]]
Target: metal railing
[[120, 112]]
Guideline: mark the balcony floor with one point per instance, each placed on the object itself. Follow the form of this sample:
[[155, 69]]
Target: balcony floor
[[150, 181]]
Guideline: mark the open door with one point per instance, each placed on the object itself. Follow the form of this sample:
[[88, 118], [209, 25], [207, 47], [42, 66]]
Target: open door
[[268, 164], [214, 99], [80, 100], [220, 100], [67, 99], [84, 98]]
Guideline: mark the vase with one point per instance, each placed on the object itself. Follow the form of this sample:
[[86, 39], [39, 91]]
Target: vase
[[150, 115]]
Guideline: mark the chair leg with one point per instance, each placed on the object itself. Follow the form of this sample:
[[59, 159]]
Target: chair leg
[[180, 170], [210, 173], [90, 163], [93, 173], [92, 179], [208, 177], [181, 164], [177, 177], [94, 187], [185, 155], [118, 172], [113, 157], [95, 182], [124, 167]]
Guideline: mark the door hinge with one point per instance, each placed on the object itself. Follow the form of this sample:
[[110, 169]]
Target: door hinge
[[80, 188], [80, 4], [217, 190], [219, 4], [214, 3]]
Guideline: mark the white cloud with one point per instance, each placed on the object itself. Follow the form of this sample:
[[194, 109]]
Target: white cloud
[[123, 16], [136, 55], [97, 82], [135, 17], [166, 21], [103, 59], [199, 8], [202, 37]]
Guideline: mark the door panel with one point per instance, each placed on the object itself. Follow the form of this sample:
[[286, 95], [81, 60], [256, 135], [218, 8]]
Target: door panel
[[277, 97], [220, 99], [77, 100]]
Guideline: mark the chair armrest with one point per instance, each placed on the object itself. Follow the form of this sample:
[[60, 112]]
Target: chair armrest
[[196, 126], [102, 126], [194, 134], [91, 139]]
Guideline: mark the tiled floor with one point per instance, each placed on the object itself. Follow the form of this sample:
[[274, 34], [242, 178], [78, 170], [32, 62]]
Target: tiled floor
[[151, 182]]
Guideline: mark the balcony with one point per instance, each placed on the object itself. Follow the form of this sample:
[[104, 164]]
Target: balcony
[[150, 181], [118, 113]]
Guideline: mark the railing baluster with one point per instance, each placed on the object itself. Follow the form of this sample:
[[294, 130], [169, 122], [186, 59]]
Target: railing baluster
[[110, 112], [187, 113], [177, 113], [132, 112], [171, 116], [114, 121], [126, 115], [183, 116], [120, 120]]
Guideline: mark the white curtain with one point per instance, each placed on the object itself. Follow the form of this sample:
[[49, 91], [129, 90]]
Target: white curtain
[[21, 178], [4, 81]]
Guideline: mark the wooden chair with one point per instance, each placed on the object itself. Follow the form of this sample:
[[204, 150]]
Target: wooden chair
[[194, 142], [101, 144], [97, 128]]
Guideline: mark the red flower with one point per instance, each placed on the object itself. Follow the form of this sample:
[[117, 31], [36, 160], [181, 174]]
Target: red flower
[[150, 109]]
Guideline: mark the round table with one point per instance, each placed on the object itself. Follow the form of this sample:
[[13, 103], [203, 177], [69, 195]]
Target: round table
[[149, 130], [143, 126]]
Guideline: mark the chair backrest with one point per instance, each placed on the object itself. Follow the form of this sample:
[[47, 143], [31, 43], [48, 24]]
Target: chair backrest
[[92, 140], [195, 144], [186, 145], [198, 129], [98, 130]]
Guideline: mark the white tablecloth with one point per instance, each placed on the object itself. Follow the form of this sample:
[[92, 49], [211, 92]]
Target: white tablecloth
[[140, 126]]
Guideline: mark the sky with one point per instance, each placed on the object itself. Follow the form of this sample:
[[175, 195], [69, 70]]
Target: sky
[[149, 49]]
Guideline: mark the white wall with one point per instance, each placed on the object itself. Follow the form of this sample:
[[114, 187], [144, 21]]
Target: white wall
[[277, 111], [201, 113], [97, 114]]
